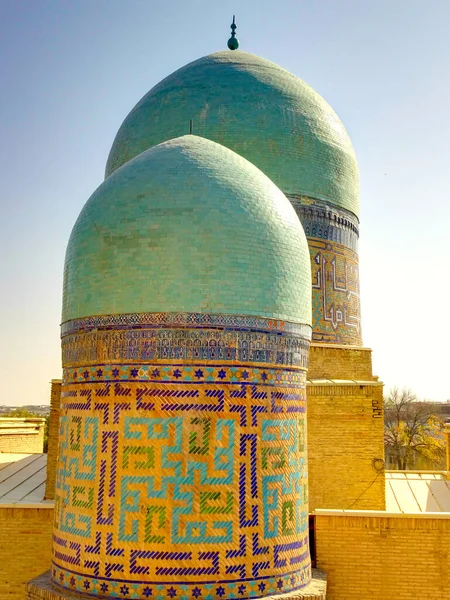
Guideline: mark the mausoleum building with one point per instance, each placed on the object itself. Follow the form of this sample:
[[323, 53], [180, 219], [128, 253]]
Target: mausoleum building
[[218, 430]]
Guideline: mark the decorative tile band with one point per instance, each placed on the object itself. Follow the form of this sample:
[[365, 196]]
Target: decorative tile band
[[180, 373], [181, 479], [327, 222], [190, 320], [185, 344], [213, 590]]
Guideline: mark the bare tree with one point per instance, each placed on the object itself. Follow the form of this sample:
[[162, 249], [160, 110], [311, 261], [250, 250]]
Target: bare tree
[[412, 431]]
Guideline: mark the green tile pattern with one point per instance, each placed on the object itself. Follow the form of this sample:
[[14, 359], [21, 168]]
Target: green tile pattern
[[188, 226], [259, 110]]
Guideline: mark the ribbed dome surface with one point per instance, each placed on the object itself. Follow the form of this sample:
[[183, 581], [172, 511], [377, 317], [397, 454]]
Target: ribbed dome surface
[[188, 226], [259, 110]]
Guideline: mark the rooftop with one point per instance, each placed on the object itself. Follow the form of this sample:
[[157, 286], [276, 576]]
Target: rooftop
[[22, 480], [413, 492]]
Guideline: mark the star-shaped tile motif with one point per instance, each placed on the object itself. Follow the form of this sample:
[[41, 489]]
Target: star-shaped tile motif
[[147, 592], [155, 373], [61, 576], [262, 586], [86, 374], [75, 374], [241, 589], [220, 591], [221, 374], [199, 373], [177, 373], [171, 592], [196, 592], [264, 376], [115, 372], [86, 584], [245, 374], [279, 584], [103, 588], [134, 372], [99, 373], [124, 590], [72, 581], [292, 580]]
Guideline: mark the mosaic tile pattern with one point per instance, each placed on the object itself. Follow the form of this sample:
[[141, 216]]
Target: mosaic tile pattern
[[257, 109], [323, 221], [188, 226], [141, 343], [182, 480], [197, 320]]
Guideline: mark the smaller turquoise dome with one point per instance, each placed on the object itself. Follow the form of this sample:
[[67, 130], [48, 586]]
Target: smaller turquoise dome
[[188, 226]]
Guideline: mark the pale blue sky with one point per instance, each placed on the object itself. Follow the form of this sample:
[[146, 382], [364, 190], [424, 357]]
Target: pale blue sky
[[71, 71]]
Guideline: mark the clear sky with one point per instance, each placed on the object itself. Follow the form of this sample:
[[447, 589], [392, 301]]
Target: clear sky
[[71, 71]]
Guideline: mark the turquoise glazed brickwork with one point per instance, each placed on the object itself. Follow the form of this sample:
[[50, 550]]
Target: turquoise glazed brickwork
[[260, 111], [188, 226]]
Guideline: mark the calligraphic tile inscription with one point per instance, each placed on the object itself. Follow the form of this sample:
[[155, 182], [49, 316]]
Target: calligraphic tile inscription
[[332, 235], [182, 466]]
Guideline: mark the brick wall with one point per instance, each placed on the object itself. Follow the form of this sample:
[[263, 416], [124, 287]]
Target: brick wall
[[340, 362], [20, 440], [346, 445], [53, 433], [25, 548], [384, 557]]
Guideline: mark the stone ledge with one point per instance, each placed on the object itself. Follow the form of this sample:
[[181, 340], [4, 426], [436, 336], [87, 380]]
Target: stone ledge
[[42, 588]]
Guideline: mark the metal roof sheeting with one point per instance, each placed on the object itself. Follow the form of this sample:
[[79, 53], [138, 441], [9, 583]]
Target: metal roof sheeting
[[417, 492], [22, 479]]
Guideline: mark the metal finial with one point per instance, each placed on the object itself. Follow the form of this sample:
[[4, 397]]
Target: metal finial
[[191, 126], [233, 42]]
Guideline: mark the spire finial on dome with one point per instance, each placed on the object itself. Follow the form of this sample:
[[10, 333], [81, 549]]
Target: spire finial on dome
[[233, 42]]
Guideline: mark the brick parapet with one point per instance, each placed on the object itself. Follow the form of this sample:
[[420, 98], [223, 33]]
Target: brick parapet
[[377, 555], [22, 435], [336, 361]]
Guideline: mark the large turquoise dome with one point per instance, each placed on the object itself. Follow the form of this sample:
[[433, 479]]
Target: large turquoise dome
[[259, 110], [188, 226]]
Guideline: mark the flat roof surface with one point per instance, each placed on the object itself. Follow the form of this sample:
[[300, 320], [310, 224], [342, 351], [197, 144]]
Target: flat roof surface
[[22, 478], [417, 492]]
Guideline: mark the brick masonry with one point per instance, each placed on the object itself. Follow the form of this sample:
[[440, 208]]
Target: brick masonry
[[345, 429], [25, 547], [378, 556], [345, 446], [22, 436], [53, 434]]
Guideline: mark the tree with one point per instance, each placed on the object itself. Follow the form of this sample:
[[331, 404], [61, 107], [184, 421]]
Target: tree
[[19, 413], [413, 432]]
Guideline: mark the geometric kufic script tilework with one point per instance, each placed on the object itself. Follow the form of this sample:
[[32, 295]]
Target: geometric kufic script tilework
[[186, 483]]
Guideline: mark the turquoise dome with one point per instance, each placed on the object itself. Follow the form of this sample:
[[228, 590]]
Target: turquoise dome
[[188, 226], [259, 110]]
